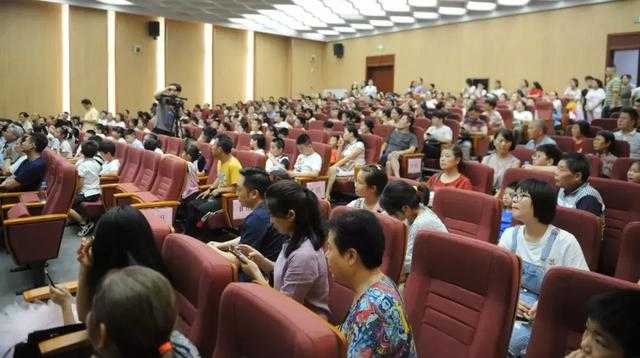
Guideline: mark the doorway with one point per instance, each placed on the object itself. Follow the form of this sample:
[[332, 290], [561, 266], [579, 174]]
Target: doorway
[[623, 51], [381, 69]]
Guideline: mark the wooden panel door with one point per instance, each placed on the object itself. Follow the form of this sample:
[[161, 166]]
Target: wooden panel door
[[382, 77]]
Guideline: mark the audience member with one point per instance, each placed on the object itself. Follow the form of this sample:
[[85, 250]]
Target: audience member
[[612, 101], [111, 165], [11, 137], [537, 134], [258, 143], [350, 155], [627, 123], [130, 138], [473, 126], [308, 163], [28, 177], [594, 99], [376, 324], [502, 159], [276, 160], [545, 158], [369, 184], [633, 174], [89, 186], [506, 219], [605, 146], [495, 122], [579, 132], [575, 192], [400, 141], [436, 136], [91, 115], [451, 164]]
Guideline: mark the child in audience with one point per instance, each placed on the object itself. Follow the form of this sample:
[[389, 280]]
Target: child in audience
[[308, 163], [473, 125], [153, 144], [327, 127], [507, 217], [350, 154], [369, 184], [333, 143], [255, 126], [191, 154], [633, 175], [437, 135], [276, 160], [366, 127], [63, 136], [258, 143], [605, 146], [545, 158], [451, 164], [117, 135], [89, 186], [117, 333], [111, 164], [130, 138], [376, 323]]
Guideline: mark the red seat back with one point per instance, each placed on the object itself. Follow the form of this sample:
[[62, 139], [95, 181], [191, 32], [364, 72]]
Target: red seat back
[[164, 140], [565, 143], [290, 150], [198, 276], [523, 153], [622, 203], [480, 175], [254, 319], [518, 174], [244, 140], [325, 153], [249, 159], [317, 124], [205, 151], [595, 165], [318, 136], [461, 296], [467, 213], [507, 117], [233, 135], [628, 266], [422, 122], [294, 133], [148, 170], [620, 168], [372, 147], [121, 151], [61, 195], [455, 127], [586, 228], [129, 169], [561, 315], [382, 130], [624, 148], [174, 146], [169, 182], [610, 124]]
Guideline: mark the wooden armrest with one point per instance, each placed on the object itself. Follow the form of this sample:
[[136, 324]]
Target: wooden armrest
[[64, 343], [108, 179], [43, 293], [303, 180], [157, 204], [35, 219], [204, 187], [35, 204], [132, 196], [411, 155], [112, 185]]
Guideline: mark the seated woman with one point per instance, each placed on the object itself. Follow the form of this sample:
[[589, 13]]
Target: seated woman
[[300, 271], [605, 146], [495, 122], [409, 204], [436, 136], [521, 117], [540, 245], [258, 143], [545, 158], [376, 323], [473, 125], [370, 183], [350, 154], [116, 332], [366, 127], [579, 132], [502, 159], [451, 164], [633, 174], [399, 142]]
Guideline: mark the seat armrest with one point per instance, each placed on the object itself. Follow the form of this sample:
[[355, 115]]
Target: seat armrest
[[109, 186], [34, 219], [204, 187], [43, 293], [4, 209], [319, 187], [108, 179], [64, 343], [132, 196], [157, 204]]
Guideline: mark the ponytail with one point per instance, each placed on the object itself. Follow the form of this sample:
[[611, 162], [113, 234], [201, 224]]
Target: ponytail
[[424, 194]]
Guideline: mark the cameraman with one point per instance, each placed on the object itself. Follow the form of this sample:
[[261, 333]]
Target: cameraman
[[169, 110]]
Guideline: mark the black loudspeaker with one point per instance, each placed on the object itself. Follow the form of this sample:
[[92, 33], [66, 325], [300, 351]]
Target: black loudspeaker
[[338, 50], [154, 29]]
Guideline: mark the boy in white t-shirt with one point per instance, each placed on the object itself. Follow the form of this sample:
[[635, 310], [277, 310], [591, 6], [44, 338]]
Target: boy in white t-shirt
[[111, 164], [89, 186], [308, 163], [130, 138]]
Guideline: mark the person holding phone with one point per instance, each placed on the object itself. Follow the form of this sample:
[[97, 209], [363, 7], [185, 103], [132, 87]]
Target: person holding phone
[[541, 246]]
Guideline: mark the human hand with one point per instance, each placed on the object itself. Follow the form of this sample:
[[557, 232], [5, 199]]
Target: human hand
[[522, 310], [85, 253], [253, 255], [204, 194], [60, 296]]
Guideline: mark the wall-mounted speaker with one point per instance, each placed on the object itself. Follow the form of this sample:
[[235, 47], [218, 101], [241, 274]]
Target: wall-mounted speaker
[[338, 50], [154, 29]]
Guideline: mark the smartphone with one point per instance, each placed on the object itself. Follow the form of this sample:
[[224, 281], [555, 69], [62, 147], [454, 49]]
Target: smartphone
[[46, 272], [234, 250]]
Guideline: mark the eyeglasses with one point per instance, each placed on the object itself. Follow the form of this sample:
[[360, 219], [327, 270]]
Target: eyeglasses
[[520, 196]]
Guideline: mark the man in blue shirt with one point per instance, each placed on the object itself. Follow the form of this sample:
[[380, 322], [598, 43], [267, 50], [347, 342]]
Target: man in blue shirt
[[257, 230], [30, 173]]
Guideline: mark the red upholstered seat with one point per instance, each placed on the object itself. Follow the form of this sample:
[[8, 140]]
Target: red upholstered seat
[[129, 169], [620, 168], [595, 165], [145, 175], [382, 130], [461, 296], [121, 151], [628, 266], [163, 141], [159, 228], [244, 140], [518, 174], [290, 150], [565, 143], [294, 133], [250, 159], [622, 206], [205, 150], [317, 124], [318, 135], [561, 313], [480, 175], [586, 228], [467, 213], [325, 153], [19, 210], [169, 181], [174, 146], [523, 153], [257, 321], [198, 275]]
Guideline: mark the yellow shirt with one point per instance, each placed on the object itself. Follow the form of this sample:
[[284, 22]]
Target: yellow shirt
[[229, 172], [90, 119]]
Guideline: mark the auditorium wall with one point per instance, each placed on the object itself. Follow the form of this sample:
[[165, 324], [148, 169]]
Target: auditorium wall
[[550, 47], [229, 64], [272, 66], [184, 57], [306, 66]]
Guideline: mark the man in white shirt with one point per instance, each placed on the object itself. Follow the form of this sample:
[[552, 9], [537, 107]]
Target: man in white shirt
[[498, 90], [370, 90], [91, 115], [627, 122], [308, 163], [111, 164], [89, 185]]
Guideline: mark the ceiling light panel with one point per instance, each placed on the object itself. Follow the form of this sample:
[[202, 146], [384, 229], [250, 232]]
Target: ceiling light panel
[[426, 15], [116, 2], [513, 2], [328, 32], [362, 26], [452, 11], [381, 23], [395, 5], [481, 6], [345, 29], [299, 13], [402, 19], [423, 3]]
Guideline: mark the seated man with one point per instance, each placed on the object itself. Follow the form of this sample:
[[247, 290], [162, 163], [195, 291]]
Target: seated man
[[29, 175], [257, 230], [627, 122], [308, 163], [11, 139], [537, 134], [111, 165], [228, 177], [575, 192]]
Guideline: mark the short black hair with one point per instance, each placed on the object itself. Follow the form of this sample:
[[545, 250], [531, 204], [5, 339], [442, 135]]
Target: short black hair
[[209, 133], [507, 134], [631, 112], [107, 146], [327, 124], [118, 130], [95, 138], [610, 138], [283, 131], [303, 139], [151, 144], [543, 199], [578, 163], [278, 142], [398, 194], [375, 176], [224, 142], [40, 141], [584, 127], [260, 139], [551, 151], [89, 149], [129, 131], [177, 86], [359, 230], [193, 151], [618, 314], [86, 102], [256, 179]]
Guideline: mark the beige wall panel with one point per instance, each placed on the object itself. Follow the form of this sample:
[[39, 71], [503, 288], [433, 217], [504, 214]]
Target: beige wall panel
[[87, 57], [229, 62], [306, 66], [30, 62], [184, 58], [550, 47], [135, 72], [272, 65]]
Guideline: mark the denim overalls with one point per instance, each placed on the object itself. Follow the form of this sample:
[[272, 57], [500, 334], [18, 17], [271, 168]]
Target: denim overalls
[[531, 282]]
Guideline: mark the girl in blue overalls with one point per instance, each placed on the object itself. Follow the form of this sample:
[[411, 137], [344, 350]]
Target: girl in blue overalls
[[540, 245]]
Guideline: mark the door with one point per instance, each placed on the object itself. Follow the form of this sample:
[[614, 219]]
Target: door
[[627, 62], [382, 77]]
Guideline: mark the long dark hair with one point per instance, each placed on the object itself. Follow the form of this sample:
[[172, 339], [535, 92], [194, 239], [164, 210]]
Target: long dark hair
[[287, 195], [611, 139], [123, 238], [351, 128], [398, 194]]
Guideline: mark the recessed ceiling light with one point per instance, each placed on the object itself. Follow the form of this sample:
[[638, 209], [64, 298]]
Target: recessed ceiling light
[[314, 36], [513, 2], [452, 11], [362, 26], [426, 15], [328, 32], [423, 3], [402, 19], [346, 29], [395, 5], [381, 23], [481, 6], [115, 2]]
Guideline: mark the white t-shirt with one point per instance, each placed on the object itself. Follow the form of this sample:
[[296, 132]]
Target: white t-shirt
[[158, 150], [110, 168], [428, 220], [17, 163], [566, 250], [370, 91], [137, 144], [498, 91], [65, 148], [308, 163], [89, 170], [574, 94], [633, 138], [442, 134], [283, 124], [521, 118]]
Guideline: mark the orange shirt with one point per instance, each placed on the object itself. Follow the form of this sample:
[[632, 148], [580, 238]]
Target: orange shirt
[[462, 182]]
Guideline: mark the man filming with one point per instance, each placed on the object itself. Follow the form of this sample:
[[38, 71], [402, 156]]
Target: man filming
[[169, 110]]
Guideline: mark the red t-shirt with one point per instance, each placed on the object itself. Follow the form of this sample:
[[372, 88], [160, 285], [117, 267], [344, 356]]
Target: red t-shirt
[[434, 183]]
